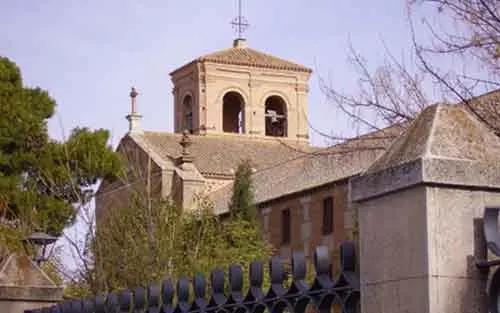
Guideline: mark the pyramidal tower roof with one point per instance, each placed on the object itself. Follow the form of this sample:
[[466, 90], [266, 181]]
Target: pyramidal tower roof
[[448, 132], [445, 145], [241, 54]]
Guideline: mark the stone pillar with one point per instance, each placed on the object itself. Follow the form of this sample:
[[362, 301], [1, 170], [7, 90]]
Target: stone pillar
[[24, 286], [418, 207], [265, 223], [306, 227], [193, 182]]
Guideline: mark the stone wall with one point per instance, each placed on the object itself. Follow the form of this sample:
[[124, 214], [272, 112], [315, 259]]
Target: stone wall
[[23, 285]]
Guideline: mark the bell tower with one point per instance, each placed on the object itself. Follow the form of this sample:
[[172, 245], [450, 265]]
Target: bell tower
[[242, 91]]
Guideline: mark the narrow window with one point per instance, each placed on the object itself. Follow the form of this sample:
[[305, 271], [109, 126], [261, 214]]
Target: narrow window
[[233, 117], [275, 117], [285, 226], [188, 114], [327, 216]]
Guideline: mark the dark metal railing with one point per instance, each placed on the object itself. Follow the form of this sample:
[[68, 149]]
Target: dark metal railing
[[324, 294]]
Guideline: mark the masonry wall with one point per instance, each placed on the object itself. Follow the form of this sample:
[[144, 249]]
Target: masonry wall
[[119, 193], [306, 221], [207, 83]]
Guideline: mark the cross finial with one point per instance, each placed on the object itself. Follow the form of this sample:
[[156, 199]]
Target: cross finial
[[240, 24]]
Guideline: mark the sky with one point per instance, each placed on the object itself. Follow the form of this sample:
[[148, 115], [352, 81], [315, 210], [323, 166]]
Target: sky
[[88, 54]]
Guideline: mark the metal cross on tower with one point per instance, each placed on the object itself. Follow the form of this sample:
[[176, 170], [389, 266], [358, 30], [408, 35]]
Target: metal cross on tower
[[240, 24]]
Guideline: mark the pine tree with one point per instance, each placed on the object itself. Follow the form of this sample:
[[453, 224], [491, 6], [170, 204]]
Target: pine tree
[[42, 181]]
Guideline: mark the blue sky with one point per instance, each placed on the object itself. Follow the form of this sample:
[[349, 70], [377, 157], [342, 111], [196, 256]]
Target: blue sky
[[88, 54]]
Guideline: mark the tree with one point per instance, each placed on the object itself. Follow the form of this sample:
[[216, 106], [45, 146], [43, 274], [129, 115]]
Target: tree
[[43, 181], [121, 255], [395, 92], [242, 201], [468, 33]]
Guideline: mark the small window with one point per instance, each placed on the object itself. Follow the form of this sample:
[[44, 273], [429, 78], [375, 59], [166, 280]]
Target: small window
[[327, 216], [285, 226], [188, 114]]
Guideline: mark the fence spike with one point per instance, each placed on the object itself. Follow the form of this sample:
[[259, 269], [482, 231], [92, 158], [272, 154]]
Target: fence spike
[[112, 303], [217, 284], [153, 295], [183, 294], [199, 286], [125, 300], [299, 267], [235, 284], [322, 262], [139, 299], [256, 274], [217, 280], [236, 278], [100, 304], [347, 256], [256, 277], [276, 271], [168, 293], [76, 306], [88, 306]]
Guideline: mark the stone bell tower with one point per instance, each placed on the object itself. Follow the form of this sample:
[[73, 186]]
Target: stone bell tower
[[242, 91]]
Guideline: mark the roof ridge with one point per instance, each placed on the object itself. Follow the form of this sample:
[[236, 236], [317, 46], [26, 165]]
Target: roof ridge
[[428, 143]]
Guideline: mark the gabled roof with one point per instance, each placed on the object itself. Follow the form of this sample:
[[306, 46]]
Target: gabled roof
[[245, 56], [315, 169], [220, 155]]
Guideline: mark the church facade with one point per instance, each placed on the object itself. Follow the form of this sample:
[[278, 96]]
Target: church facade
[[239, 104]]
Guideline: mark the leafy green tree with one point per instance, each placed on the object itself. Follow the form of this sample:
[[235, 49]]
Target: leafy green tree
[[43, 181], [242, 201]]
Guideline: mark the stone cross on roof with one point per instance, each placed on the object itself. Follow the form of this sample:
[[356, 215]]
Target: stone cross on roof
[[240, 24]]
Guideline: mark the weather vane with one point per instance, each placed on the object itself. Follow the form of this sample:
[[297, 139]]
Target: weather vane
[[240, 24]]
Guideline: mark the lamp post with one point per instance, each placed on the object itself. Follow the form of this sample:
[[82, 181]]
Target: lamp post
[[39, 241]]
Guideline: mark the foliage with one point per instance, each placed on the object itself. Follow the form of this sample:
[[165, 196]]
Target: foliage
[[242, 201], [136, 245], [42, 180]]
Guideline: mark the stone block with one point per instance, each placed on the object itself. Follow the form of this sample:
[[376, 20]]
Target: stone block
[[451, 214], [394, 237]]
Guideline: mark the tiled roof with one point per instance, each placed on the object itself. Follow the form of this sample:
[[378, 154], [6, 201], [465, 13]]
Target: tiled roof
[[221, 154], [315, 169], [252, 57], [249, 57]]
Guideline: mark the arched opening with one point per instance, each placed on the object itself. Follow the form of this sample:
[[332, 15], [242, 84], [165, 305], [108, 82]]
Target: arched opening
[[233, 118], [187, 105], [276, 119]]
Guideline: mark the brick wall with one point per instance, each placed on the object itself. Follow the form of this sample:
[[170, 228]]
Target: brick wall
[[306, 225]]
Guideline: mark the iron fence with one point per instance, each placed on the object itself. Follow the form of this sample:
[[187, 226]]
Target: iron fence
[[324, 294]]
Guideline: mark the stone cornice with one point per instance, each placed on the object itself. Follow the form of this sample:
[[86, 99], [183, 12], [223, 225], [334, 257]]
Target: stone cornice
[[425, 171]]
